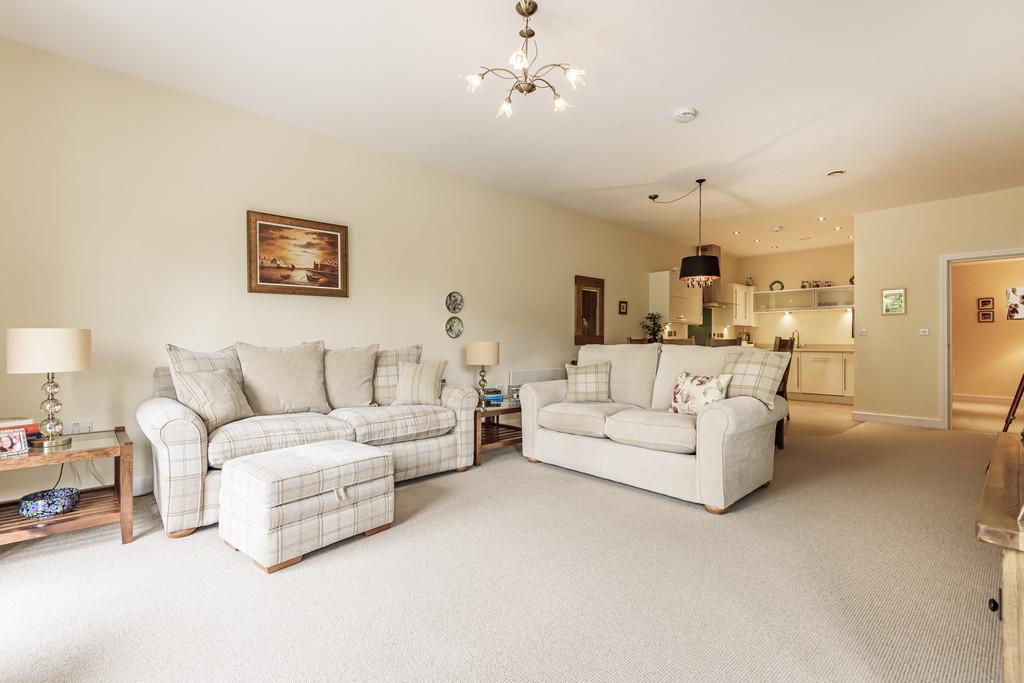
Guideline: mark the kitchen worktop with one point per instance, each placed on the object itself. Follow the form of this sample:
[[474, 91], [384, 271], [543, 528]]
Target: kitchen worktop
[[817, 348]]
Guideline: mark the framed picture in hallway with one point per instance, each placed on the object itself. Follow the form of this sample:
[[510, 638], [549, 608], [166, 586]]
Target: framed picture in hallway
[[296, 256], [1015, 303], [894, 301], [986, 303], [986, 316]]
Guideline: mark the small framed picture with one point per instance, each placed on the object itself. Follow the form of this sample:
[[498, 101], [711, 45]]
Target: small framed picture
[[986, 303], [13, 442], [986, 316], [894, 301], [623, 307]]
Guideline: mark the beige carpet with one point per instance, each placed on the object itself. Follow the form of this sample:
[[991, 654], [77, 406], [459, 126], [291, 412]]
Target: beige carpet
[[857, 564], [984, 416]]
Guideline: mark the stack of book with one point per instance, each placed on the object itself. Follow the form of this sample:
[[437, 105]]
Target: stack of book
[[492, 396]]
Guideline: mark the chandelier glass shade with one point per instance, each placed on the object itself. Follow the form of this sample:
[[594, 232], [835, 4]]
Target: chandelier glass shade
[[523, 77]]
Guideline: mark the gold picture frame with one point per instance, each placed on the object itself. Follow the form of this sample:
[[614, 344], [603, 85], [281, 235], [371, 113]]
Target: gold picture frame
[[894, 301], [296, 256]]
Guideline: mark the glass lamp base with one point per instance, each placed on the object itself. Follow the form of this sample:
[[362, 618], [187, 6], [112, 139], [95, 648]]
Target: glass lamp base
[[49, 444]]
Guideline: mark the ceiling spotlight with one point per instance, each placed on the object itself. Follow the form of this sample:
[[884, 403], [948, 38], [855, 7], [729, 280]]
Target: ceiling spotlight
[[851, 237], [735, 232], [684, 115], [775, 246], [822, 219], [757, 241], [776, 228], [835, 172], [838, 228]]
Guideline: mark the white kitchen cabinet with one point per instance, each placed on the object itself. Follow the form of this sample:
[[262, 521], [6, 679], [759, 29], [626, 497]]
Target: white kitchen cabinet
[[847, 374], [742, 297], [822, 373], [793, 384], [676, 302]]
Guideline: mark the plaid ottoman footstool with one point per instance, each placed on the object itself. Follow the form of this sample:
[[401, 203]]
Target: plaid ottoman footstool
[[278, 505]]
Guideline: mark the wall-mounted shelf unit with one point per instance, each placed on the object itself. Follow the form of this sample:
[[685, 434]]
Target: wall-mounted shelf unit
[[811, 299]]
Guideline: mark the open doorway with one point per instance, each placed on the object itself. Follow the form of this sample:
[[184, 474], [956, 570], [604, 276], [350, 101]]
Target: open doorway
[[986, 341]]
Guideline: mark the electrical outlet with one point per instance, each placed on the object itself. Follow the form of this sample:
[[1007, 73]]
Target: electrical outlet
[[923, 332], [862, 332], [73, 428], [86, 425]]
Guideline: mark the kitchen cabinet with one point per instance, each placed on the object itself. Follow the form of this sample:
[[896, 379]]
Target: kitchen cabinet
[[811, 299], [847, 374], [742, 297], [793, 385], [822, 373], [675, 301]]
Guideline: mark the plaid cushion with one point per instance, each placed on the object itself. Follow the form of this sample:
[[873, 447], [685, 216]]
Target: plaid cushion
[[183, 360], [270, 432], [380, 425], [756, 373], [385, 376], [289, 474], [419, 384], [163, 385], [588, 383], [215, 396]]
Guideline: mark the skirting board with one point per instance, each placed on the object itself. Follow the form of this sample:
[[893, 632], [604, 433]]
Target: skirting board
[[903, 420], [973, 398]]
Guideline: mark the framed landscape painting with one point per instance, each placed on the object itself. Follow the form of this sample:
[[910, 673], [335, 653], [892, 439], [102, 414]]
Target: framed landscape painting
[[296, 256], [894, 301]]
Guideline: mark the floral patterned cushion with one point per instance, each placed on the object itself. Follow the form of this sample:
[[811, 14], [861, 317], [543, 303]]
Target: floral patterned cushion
[[695, 392]]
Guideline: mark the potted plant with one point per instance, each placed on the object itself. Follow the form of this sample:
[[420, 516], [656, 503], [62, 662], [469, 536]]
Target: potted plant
[[652, 327]]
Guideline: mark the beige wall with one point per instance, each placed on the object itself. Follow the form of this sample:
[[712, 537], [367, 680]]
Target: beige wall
[[987, 358], [827, 263], [124, 203], [898, 370]]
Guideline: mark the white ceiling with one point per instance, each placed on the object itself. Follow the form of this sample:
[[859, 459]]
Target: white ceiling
[[917, 99]]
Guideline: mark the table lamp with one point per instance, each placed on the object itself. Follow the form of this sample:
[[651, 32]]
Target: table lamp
[[48, 350], [482, 353]]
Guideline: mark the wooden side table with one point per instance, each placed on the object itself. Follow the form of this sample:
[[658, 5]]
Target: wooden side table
[[491, 433], [107, 505]]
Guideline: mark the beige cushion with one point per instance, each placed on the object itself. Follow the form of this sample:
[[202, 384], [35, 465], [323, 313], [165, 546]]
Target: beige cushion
[[585, 419], [183, 360], [284, 380], [419, 384], [756, 373], [655, 429], [633, 369], [348, 376], [268, 432], [588, 383], [385, 376], [379, 425], [694, 360], [215, 396]]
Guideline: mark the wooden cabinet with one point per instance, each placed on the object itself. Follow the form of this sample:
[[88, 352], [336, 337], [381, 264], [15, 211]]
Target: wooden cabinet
[[742, 297], [821, 373], [675, 301], [847, 374]]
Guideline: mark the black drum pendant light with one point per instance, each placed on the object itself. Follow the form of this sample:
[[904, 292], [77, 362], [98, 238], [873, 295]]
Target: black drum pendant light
[[701, 270]]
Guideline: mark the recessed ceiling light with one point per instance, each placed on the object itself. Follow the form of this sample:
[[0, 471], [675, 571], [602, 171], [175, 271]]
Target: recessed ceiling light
[[735, 232], [851, 237], [835, 172], [757, 241], [822, 219], [776, 228], [838, 228], [775, 246]]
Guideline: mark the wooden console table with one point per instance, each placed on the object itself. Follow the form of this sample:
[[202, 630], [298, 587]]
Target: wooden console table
[[998, 524], [108, 505], [491, 433]]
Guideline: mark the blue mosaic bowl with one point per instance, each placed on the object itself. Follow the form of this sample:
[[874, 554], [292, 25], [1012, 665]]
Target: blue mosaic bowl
[[49, 503]]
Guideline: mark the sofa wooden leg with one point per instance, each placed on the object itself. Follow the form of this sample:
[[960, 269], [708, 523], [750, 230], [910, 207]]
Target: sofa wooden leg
[[377, 530], [717, 511], [180, 534], [461, 469], [531, 460], [780, 434], [279, 566]]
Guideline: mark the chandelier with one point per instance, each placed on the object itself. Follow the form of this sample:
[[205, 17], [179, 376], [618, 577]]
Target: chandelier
[[703, 269], [525, 79]]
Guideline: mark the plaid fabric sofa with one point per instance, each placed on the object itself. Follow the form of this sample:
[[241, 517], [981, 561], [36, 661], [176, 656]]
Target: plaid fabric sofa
[[714, 458], [187, 460]]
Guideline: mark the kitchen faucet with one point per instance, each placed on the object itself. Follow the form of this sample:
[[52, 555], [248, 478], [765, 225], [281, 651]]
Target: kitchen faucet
[[796, 340]]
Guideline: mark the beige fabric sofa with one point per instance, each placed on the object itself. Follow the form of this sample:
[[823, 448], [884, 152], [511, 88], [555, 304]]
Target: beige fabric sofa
[[187, 460], [713, 459]]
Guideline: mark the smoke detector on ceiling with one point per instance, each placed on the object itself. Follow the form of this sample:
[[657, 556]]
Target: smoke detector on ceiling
[[684, 115], [776, 228]]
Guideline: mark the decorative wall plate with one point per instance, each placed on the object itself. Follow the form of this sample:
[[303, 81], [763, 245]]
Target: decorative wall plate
[[453, 328], [454, 302], [776, 285]]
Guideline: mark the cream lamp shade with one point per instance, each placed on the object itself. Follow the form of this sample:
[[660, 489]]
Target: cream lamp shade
[[42, 350], [482, 353]]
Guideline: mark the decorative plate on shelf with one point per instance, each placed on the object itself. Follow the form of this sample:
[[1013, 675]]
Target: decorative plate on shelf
[[776, 285], [453, 328], [454, 302]]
